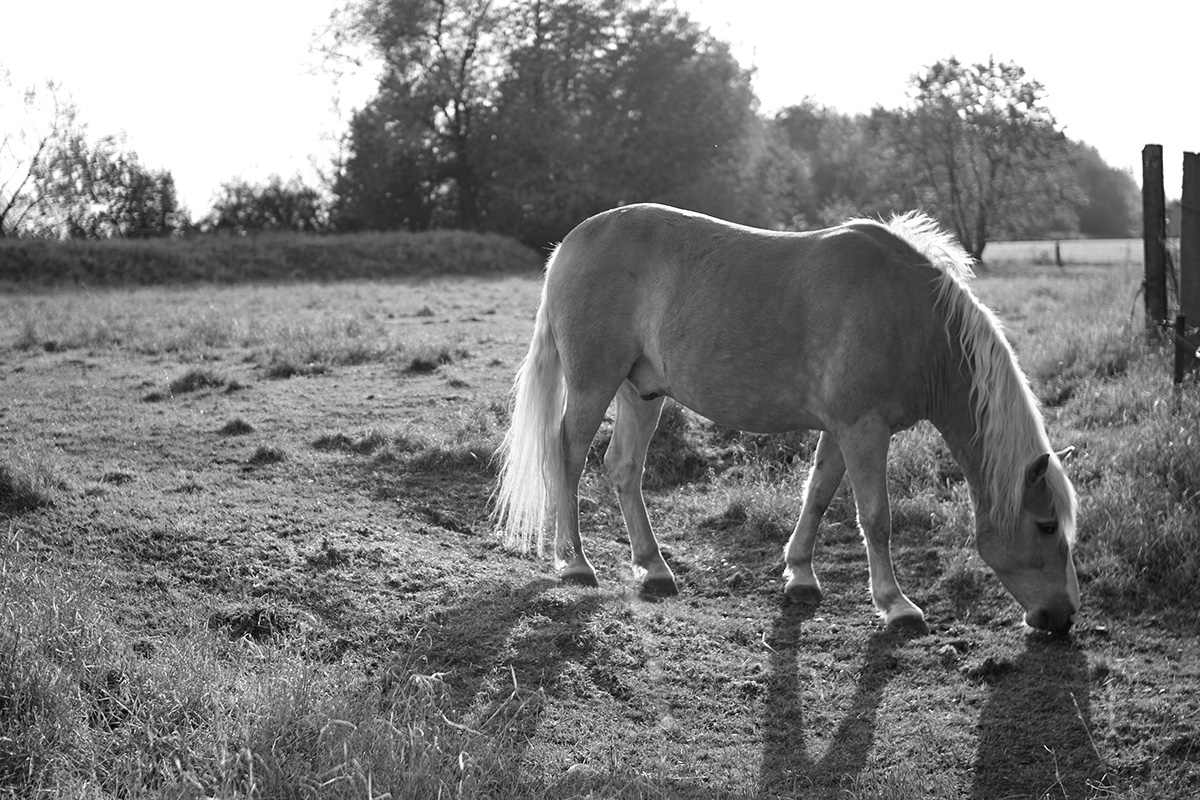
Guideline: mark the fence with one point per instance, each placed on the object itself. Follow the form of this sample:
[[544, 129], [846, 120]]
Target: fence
[[1108, 252]]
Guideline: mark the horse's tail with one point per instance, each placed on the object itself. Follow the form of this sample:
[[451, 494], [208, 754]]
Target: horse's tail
[[531, 455]]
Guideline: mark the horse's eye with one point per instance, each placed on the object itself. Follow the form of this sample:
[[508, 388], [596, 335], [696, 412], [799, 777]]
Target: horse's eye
[[1048, 528]]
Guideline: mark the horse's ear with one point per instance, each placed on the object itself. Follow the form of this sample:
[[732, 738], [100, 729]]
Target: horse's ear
[[1037, 470], [1065, 453]]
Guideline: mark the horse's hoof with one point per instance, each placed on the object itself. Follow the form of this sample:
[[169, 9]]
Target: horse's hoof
[[579, 578], [909, 625], [660, 586], [803, 594]]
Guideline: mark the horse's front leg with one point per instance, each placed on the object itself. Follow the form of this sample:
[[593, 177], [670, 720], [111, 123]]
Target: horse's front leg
[[625, 461], [865, 447], [828, 467]]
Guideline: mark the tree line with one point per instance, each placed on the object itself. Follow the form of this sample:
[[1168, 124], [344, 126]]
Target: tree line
[[524, 118]]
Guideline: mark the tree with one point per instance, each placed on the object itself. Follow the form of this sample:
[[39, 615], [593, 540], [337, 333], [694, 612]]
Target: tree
[[439, 62], [983, 148], [34, 118], [243, 207], [390, 178], [775, 187], [605, 103], [56, 182], [99, 189], [527, 117], [850, 164], [1110, 201]]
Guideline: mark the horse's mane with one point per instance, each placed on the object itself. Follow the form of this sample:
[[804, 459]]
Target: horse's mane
[[1008, 420]]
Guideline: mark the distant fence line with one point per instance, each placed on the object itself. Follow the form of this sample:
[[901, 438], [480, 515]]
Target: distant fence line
[[1109, 252]]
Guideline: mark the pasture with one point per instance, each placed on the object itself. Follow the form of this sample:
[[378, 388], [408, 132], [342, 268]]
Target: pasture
[[247, 553]]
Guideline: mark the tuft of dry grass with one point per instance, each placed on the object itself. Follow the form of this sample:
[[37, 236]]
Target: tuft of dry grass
[[28, 482], [196, 379], [236, 427], [266, 454]]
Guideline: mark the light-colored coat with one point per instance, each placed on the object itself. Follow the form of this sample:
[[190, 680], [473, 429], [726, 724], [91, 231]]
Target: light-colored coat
[[858, 331]]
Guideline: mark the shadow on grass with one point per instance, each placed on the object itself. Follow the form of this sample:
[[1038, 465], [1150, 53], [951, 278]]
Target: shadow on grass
[[1034, 733], [501, 648], [788, 767]]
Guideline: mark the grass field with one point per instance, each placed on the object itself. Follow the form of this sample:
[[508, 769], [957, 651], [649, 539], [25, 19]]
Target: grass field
[[245, 552]]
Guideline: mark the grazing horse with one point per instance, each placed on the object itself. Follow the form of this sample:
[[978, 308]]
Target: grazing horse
[[858, 331]]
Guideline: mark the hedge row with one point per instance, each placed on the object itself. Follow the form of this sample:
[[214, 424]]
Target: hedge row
[[266, 257]]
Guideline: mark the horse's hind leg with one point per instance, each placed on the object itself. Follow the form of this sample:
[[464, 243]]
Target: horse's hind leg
[[581, 419], [625, 460], [823, 479]]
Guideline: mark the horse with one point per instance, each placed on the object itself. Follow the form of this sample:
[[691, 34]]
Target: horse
[[858, 331]]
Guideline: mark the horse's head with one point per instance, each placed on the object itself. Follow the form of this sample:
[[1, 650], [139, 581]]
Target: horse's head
[[1032, 554]]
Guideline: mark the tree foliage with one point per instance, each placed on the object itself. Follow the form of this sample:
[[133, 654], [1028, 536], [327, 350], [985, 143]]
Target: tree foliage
[[34, 119], [1109, 200], [100, 190], [524, 117], [415, 149], [276, 205], [985, 151], [57, 182]]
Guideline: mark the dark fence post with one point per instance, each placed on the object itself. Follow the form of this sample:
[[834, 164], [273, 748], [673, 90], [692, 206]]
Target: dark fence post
[[1189, 260], [1154, 234]]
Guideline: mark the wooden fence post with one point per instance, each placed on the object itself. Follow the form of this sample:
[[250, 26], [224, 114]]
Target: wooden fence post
[[1154, 234], [1189, 259]]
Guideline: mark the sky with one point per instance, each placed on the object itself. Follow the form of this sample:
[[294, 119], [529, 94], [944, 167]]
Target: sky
[[231, 89]]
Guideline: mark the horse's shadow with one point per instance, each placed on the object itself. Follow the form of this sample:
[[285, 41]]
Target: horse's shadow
[[1035, 731], [467, 639], [492, 648], [1034, 734], [788, 769]]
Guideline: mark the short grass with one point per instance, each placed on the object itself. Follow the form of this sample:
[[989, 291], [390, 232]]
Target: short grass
[[90, 712], [292, 589]]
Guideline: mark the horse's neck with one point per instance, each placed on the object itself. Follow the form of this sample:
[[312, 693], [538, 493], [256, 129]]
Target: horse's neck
[[959, 432], [954, 417]]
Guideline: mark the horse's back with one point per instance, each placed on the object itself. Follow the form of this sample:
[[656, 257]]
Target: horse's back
[[755, 329]]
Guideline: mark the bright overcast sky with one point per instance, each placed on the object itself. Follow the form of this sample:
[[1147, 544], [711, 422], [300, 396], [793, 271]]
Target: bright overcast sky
[[227, 89]]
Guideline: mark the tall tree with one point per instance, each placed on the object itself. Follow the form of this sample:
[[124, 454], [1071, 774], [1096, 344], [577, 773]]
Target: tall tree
[[983, 147], [608, 102], [391, 176], [526, 117], [439, 63]]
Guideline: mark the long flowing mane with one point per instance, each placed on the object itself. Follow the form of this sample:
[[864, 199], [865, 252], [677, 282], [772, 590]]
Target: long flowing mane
[[1008, 420]]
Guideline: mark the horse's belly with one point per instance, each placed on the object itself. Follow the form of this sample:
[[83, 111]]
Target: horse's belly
[[750, 408], [769, 401]]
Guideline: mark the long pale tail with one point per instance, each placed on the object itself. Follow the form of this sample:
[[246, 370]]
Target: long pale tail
[[531, 455]]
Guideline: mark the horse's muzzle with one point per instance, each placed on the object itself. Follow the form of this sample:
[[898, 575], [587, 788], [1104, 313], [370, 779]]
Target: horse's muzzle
[[1053, 620]]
